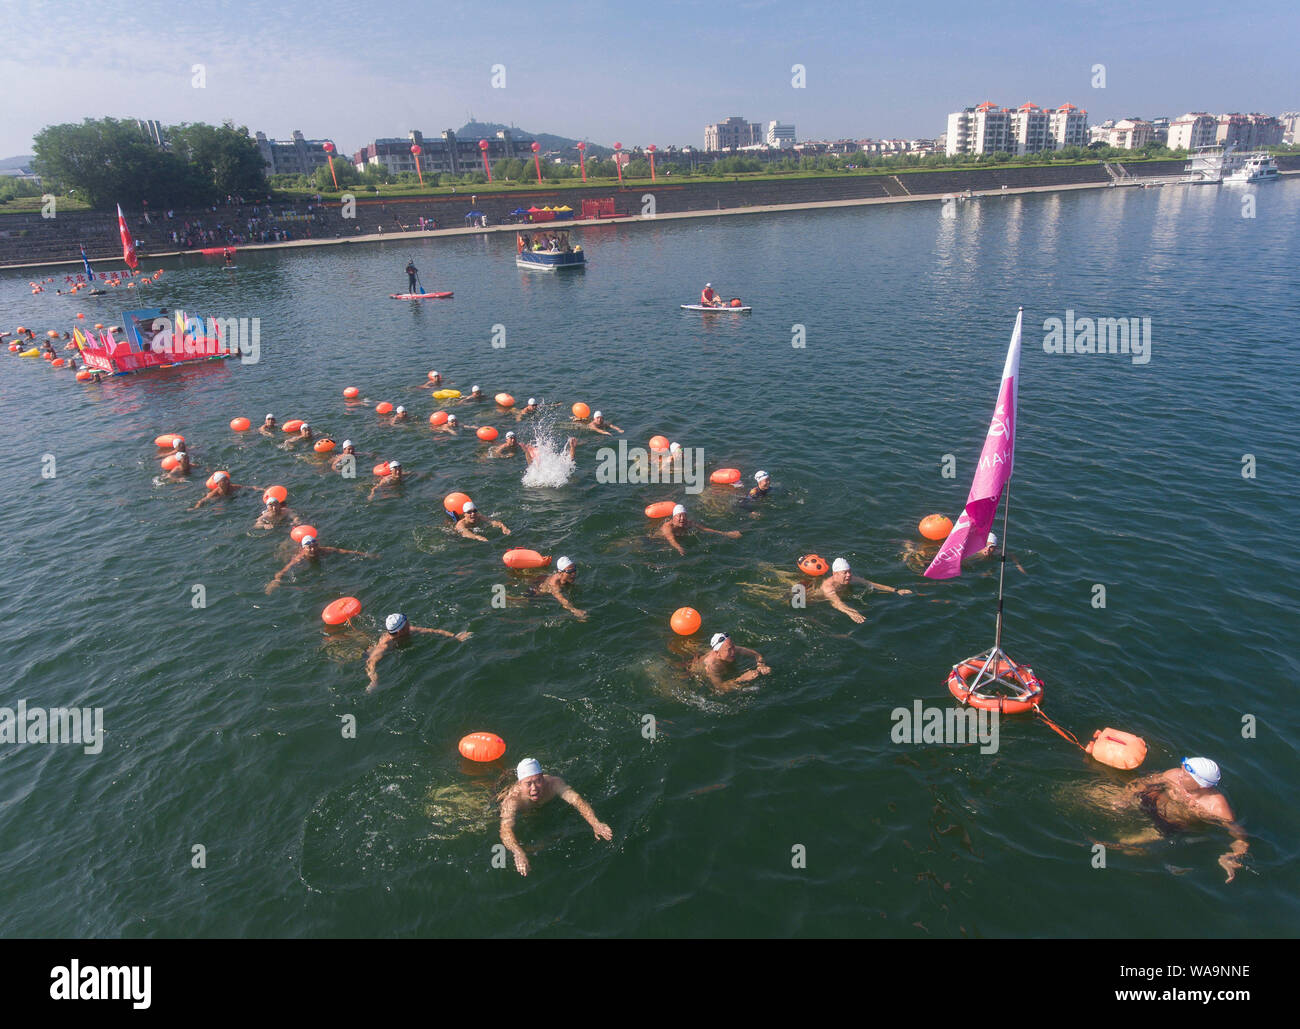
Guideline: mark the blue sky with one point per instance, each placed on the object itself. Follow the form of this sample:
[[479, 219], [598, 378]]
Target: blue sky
[[633, 72]]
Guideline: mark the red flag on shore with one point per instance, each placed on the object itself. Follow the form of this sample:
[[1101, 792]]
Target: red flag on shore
[[128, 244]]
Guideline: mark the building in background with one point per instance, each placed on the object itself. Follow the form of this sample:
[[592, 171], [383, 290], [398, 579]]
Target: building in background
[[732, 134], [1192, 130], [1127, 134], [1290, 127], [1248, 130], [1029, 129], [780, 136], [445, 155], [297, 156], [152, 128]]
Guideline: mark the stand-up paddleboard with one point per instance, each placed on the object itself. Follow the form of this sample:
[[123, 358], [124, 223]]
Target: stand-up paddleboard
[[418, 296], [717, 310]]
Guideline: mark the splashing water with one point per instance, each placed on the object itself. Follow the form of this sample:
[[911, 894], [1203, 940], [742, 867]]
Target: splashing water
[[552, 466]]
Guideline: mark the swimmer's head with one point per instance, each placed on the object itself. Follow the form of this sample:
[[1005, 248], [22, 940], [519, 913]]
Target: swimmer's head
[[395, 466], [510, 437], [400, 410], [840, 567], [708, 285], [566, 566], [679, 512], [532, 402], [305, 429], [395, 623], [529, 772], [270, 419], [993, 540], [761, 477], [272, 503], [597, 416], [220, 476], [452, 419], [1203, 770], [719, 641], [347, 445], [474, 391], [308, 541], [674, 448]]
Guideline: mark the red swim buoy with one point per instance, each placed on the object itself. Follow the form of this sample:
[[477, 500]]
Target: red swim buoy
[[278, 492], [725, 476], [383, 407], [505, 400], [292, 425], [581, 411], [935, 527], [486, 433], [213, 480], [661, 509], [323, 446], [169, 441], [520, 558], [299, 531], [382, 469], [454, 503], [339, 611], [240, 424], [1118, 749], [170, 462], [659, 443], [685, 621], [351, 393], [482, 746], [812, 564], [1019, 678]]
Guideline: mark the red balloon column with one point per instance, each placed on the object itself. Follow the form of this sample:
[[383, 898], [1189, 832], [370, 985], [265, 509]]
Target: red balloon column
[[582, 159], [483, 149], [651, 149], [416, 151], [618, 165], [537, 162], [329, 156]]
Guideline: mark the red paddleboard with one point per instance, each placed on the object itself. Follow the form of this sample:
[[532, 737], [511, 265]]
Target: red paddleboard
[[418, 296]]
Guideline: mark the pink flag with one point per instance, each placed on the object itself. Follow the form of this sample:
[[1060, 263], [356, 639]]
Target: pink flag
[[128, 244], [970, 534]]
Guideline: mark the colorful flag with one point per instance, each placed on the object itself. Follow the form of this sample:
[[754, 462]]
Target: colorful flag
[[77, 337], [970, 534], [86, 261], [128, 244]]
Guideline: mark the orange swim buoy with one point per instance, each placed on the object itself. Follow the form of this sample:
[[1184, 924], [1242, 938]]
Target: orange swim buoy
[[486, 433], [170, 462], [505, 400], [438, 418], [725, 476], [482, 746], [80, 315], [278, 492], [1029, 690], [58, 362], [1117, 749], [935, 527], [383, 407], [339, 611], [84, 376], [292, 425], [52, 333], [351, 393], [99, 325], [433, 376], [299, 531], [581, 411], [454, 503], [168, 442], [382, 469], [520, 558], [685, 620], [660, 509], [812, 564], [212, 479], [240, 424], [735, 302], [323, 446], [659, 443]]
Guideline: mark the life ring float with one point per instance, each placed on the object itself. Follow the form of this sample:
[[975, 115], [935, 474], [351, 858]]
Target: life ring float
[[1030, 689]]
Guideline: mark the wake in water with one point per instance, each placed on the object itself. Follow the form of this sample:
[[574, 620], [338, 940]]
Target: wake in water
[[550, 459]]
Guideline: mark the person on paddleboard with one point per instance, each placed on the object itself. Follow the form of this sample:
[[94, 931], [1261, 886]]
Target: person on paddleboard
[[412, 274], [708, 298]]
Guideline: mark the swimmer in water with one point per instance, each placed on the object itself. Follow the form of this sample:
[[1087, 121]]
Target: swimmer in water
[[310, 550], [565, 575], [529, 408], [274, 513], [268, 426], [475, 396], [918, 556], [223, 488], [399, 415], [534, 789], [393, 478], [718, 661], [1184, 797], [507, 449], [451, 426], [762, 487], [397, 629], [599, 424], [433, 382], [678, 525], [530, 451], [470, 520], [182, 467], [303, 435], [840, 578], [349, 450]]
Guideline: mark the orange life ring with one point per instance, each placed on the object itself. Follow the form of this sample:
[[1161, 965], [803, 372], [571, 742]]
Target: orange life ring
[[1031, 688]]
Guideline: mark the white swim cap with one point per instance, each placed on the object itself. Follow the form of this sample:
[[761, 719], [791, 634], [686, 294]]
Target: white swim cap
[[473, 389], [347, 443], [307, 541], [469, 506], [510, 435], [395, 622], [531, 401], [760, 476], [401, 410], [270, 417], [564, 564], [220, 476], [719, 638], [597, 415], [434, 373], [993, 540], [1203, 770], [675, 448], [840, 565], [303, 427], [178, 443], [679, 509], [708, 285], [527, 767], [394, 464], [451, 418]]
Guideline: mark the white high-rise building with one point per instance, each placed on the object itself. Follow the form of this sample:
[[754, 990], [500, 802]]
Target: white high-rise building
[[987, 129], [780, 136], [1192, 130]]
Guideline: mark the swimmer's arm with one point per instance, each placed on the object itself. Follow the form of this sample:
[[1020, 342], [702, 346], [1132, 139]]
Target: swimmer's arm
[[760, 664], [501, 526], [726, 685], [614, 427], [566, 604], [839, 605], [372, 663], [508, 809], [204, 500], [730, 534], [603, 432], [469, 533], [279, 576], [881, 586], [664, 531], [569, 795]]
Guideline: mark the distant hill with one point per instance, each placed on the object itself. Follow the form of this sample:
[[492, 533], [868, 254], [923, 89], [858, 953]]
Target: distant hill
[[487, 130], [13, 164]]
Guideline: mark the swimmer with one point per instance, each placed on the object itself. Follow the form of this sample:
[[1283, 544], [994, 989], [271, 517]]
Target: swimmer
[[530, 451], [177, 450], [397, 629], [451, 426], [679, 524], [509, 447], [1186, 796], [182, 467], [529, 408], [534, 789], [475, 396], [349, 450], [991, 550], [840, 578], [310, 550], [399, 415], [721, 654], [268, 427], [470, 519], [917, 556], [599, 424], [762, 487], [433, 382], [393, 478], [565, 575], [274, 513], [303, 435], [223, 488]]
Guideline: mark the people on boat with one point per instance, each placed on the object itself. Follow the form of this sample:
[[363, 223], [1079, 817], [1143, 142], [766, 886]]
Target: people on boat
[[470, 519], [398, 629], [679, 525], [412, 275], [310, 550], [1187, 797], [708, 298], [533, 789], [840, 579], [564, 576], [719, 660]]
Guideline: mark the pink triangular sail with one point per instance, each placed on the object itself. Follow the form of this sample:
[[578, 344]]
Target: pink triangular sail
[[970, 534]]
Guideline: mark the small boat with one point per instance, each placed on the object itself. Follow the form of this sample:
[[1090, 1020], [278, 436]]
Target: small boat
[[562, 257], [1247, 169], [419, 296], [724, 309], [154, 338]]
